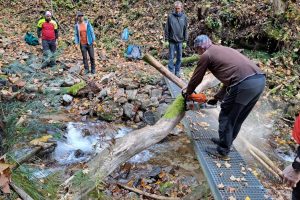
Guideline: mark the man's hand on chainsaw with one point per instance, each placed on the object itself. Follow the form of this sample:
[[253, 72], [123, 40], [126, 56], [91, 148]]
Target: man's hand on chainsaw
[[212, 102]]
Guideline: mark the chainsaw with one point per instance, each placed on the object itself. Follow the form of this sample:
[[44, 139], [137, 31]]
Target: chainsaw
[[195, 101]]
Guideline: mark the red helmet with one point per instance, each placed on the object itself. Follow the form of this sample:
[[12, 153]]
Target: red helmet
[[296, 130]]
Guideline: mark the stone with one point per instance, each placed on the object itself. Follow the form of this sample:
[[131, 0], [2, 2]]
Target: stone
[[67, 99], [119, 96], [154, 102], [75, 69], [144, 100], [2, 51], [131, 94], [56, 83], [129, 110], [154, 173], [107, 78], [161, 110], [156, 93], [147, 89], [149, 118], [128, 83], [78, 153], [103, 93], [69, 81], [109, 111]]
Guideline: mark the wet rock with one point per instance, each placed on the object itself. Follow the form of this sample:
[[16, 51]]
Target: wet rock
[[133, 195], [86, 132], [156, 93], [107, 78], [78, 153], [154, 172], [131, 94], [67, 99], [129, 110]]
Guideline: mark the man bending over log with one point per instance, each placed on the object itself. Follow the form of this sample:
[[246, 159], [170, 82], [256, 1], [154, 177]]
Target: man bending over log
[[243, 83]]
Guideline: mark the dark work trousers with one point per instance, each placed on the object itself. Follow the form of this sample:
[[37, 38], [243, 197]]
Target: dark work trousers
[[85, 48], [235, 107], [49, 48], [296, 192]]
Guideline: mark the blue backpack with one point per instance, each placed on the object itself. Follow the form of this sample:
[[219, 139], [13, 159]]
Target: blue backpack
[[133, 52], [31, 39], [125, 35]]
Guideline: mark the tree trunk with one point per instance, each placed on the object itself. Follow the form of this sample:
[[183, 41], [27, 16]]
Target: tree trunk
[[279, 6], [124, 148]]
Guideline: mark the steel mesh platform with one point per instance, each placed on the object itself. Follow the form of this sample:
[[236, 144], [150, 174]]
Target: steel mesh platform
[[231, 181]]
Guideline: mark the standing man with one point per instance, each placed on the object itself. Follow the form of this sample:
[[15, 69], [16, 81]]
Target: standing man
[[85, 37], [291, 174], [47, 31], [176, 36], [243, 83]]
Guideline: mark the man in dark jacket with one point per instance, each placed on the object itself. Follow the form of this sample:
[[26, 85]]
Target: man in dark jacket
[[176, 36], [243, 83], [291, 174], [47, 31]]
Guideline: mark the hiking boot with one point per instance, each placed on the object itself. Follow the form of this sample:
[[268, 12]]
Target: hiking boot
[[217, 142], [213, 151], [93, 71]]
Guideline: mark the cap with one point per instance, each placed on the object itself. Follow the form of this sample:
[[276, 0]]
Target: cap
[[202, 41], [48, 13], [80, 14]]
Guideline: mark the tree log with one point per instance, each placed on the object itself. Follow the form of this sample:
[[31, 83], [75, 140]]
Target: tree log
[[124, 148]]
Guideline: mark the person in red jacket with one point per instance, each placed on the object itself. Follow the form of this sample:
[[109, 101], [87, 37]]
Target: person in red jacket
[[291, 174], [47, 31]]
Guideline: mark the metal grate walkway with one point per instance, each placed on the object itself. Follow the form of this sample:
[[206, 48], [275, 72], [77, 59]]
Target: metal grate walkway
[[227, 180]]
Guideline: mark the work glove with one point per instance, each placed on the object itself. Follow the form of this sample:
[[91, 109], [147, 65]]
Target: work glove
[[212, 102], [166, 44], [290, 176], [184, 45]]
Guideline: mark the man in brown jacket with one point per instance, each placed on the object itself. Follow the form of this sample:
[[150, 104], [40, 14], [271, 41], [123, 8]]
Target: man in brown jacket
[[243, 83]]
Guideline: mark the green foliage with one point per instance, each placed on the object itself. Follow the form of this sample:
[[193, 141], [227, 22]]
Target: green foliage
[[260, 55], [213, 23], [68, 4], [146, 78], [164, 186]]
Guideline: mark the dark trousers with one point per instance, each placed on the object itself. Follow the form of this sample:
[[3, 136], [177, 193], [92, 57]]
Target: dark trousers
[[235, 107], [296, 192], [88, 49], [49, 48]]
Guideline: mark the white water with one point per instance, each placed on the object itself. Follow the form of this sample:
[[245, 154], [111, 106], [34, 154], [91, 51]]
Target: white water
[[89, 145]]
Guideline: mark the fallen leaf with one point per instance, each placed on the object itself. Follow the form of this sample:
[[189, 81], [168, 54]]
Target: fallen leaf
[[247, 198], [231, 198], [232, 178], [231, 189], [218, 164], [221, 186], [43, 139], [227, 165]]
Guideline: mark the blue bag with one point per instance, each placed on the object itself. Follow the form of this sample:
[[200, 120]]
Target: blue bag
[[125, 35], [133, 52], [31, 39]]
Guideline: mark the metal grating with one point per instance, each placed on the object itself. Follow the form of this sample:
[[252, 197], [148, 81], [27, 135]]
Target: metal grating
[[203, 126]]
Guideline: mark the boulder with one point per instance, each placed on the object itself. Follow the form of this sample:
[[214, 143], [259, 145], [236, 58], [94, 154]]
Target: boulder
[[129, 110], [156, 93], [119, 96], [131, 94], [107, 78], [67, 99], [109, 111]]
